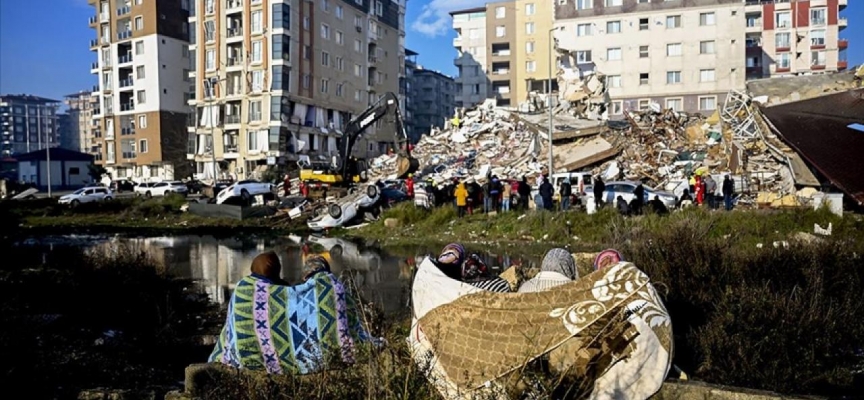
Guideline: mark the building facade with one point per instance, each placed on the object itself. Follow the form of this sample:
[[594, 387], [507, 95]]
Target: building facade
[[69, 169], [795, 37], [406, 87], [686, 58], [433, 99], [533, 24], [141, 59], [27, 123], [275, 80], [80, 129], [473, 85]]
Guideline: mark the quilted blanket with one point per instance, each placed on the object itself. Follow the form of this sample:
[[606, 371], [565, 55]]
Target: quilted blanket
[[290, 329], [608, 330]]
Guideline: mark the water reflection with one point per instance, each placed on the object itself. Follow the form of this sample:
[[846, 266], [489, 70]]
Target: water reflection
[[218, 263]]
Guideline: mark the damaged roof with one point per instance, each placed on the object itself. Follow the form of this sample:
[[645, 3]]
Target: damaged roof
[[819, 130]]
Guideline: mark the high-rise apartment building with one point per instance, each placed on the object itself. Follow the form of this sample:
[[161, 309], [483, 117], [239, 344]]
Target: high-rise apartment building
[[276, 80], [684, 57], [533, 24], [81, 132], [27, 123], [473, 85], [794, 37], [406, 87], [141, 64], [433, 98]]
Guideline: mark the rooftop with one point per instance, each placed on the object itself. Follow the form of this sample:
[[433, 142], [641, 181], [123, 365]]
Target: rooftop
[[468, 11], [57, 153], [26, 98]]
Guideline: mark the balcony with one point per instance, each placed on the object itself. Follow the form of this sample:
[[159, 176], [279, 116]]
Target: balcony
[[232, 119], [94, 66], [842, 44], [124, 35], [130, 106], [94, 43], [127, 82], [234, 4], [123, 11], [842, 65], [842, 4], [128, 155], [231, 151], [124, 59], [105, 17], [842, 23], [235, 61], [373, 60], [93, 19], [235, 32], [127, 130]]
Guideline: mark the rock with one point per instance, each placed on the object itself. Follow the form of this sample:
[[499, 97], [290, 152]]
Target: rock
[[391, 223]]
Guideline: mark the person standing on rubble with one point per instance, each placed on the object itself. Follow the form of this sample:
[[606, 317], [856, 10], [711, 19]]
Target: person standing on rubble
[[461, 197], [472, 195], [599, 188], [566, 191], [700, 190], [506, 196], [710, 190], [728, 192], [487, 199], [546, 192], [524, 191], [495, 194], [409, 186]]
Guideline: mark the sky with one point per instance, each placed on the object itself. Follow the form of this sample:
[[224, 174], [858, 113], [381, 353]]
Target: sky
[[53, 62]]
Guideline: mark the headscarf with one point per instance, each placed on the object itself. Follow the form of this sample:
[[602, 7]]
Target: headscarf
[[607, 258], [451, 259], [315, 264], [474, 268], [267, 265], [559, 260]]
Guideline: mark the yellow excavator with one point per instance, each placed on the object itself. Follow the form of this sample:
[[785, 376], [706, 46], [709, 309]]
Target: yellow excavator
[[336, 177]]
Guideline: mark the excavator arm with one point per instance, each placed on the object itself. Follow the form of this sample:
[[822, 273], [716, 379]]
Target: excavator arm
[[358, 126]]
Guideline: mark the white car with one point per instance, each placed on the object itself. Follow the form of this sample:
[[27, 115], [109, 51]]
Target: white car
[[344, 210], [87, 195], [625, 190], [245, 191], [165, 188], [141, 188]]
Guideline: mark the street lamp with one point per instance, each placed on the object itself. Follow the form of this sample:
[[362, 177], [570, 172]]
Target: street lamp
[[211, 85], [552, 60]]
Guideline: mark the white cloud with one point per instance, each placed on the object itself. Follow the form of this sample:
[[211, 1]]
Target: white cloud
[[435, 20]]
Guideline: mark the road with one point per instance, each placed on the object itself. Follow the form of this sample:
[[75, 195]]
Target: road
[[57, 194]]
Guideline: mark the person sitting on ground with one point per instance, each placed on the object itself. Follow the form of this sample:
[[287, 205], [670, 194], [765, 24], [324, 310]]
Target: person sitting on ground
[[607, 258], [450, 260], [558, 268], [623, 207], [267, 267], [686, 200], [475, 273], [658, 206]]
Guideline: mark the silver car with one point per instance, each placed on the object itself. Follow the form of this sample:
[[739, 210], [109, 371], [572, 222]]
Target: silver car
[[625, 190]]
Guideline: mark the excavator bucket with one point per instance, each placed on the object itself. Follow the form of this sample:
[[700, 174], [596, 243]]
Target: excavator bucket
[[406, 165]]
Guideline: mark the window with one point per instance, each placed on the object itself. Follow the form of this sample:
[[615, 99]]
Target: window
[[307, 80], [209, 6], [252, 141], [139, 72], [257, 81], [257, 27], [358, 70], [613, 27], [673, 77], [817, 38], [529, 9], [708, 103], [358, 95], [325, 5], [613, 81], [583, 30], [500, 12], [142, 146], [673, 49], [358, 21], [139, 23], [499, 31], [706, 47], [142, 97], [142, 121], [783, 19], [584, 4], [673, 21], [339, 87], [643, 24], [209, 31], [325, 85], [617, 107], [707, 19], [210, 61], [531, 66], [754, 20], [305, 23], [325, 31], [817, 58], [340, 37], [643, 79], [325, 59], [379, 8], [340, 64], [256, 51], [613, 54], [783, 61], [529, 28], [529, 47], [583, 56], [307, 52], [643, 51], [782, 40], [675, 104], [254, 111], [358, 46], [139, 48], [339, 12], [817, 16], [706, 75], [613, 3]]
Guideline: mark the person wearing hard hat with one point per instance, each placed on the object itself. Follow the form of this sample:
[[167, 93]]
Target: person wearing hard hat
[[456, 122], [409, 186]]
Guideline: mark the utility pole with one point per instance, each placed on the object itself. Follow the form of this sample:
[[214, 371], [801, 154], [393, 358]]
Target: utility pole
[[212, 82], [48, 158], [552, 60]]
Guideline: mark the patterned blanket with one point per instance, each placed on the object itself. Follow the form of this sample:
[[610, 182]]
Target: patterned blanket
[[608, 329], [290, 329]]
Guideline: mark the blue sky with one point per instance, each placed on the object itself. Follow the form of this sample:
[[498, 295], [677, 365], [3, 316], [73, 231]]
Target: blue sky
[[55, 62]]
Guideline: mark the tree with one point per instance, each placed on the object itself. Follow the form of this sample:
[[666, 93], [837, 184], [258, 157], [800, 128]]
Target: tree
[[96, 172]]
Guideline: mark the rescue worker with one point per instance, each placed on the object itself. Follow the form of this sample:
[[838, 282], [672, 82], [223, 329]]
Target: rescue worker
[[461, 195], [456, 122], [286, 186], [700, 190], [409, 186]]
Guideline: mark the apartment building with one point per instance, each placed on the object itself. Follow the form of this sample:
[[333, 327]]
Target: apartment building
[[684, 57], [473, 85], [80, 132], [533, 24], [141, 58], [433, 99], [406, 88], [794, 37], [27, 123], [276, 80]]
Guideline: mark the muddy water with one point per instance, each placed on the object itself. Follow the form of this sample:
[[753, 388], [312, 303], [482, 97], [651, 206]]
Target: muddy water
[[382, 276]]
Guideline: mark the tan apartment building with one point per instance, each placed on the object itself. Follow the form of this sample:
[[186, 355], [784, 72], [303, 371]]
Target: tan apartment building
[[502, 51], [276, 80], [141, 52], [683, 57], [83, 128], [795, 37]]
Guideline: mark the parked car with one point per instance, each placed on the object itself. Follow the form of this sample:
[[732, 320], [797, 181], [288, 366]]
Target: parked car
[[245, 191], [122, 185], [87, 195], [142, 188], [165, 188], [391, 196], [194, 186], [625, 190]]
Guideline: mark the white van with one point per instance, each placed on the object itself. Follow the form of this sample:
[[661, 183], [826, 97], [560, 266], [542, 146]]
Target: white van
[[578, 182]]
